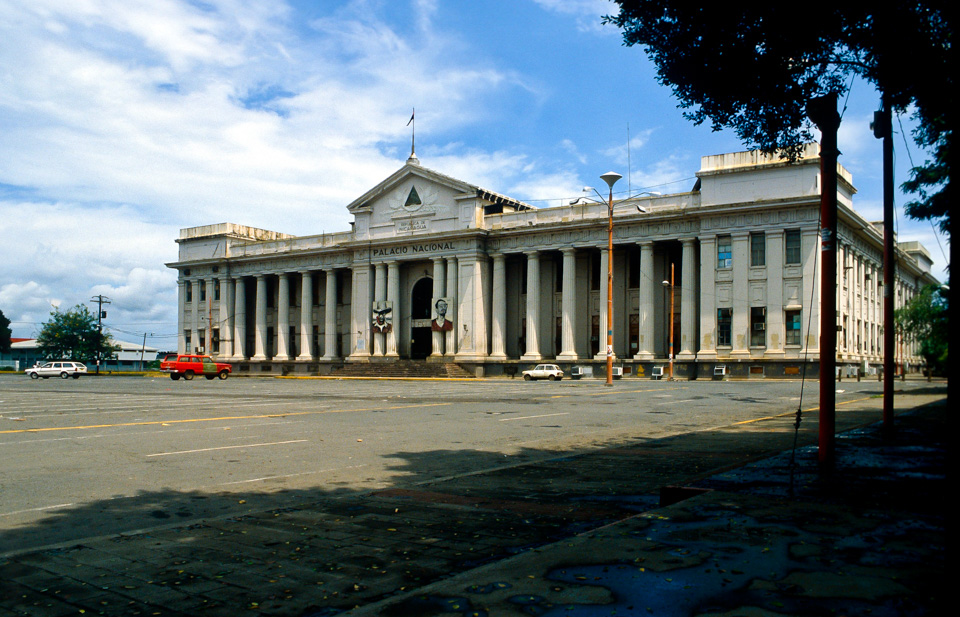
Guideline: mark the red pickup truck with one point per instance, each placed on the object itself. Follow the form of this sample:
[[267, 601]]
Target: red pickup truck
[[188, 366]]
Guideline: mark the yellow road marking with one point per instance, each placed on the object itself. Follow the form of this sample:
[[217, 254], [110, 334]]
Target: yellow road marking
[[219, 419], [606, 392], [783, 415]]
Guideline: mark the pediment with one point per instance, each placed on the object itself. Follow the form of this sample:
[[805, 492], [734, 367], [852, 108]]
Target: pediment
[[410, 191]]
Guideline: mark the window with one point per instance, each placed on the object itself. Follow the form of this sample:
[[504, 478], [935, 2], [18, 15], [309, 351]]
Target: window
[[203, 291], [215, 341], [724, 321], [189, 292], [201, 337], [792, 246], [758, 326], [186, 341], [724, 252], [216, 290], [758, 249], [792, 319]]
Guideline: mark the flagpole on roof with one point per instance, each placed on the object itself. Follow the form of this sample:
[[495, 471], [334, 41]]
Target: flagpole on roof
[[413, 134]]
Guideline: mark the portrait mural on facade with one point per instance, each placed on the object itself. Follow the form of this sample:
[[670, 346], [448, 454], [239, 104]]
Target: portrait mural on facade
[[382, 316], [439, 321]]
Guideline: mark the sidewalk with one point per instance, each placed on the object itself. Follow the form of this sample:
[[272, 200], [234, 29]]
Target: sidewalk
[[578, 535]]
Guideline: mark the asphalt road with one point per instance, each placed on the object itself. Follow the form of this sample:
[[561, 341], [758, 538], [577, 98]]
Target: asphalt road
[[105, 449]]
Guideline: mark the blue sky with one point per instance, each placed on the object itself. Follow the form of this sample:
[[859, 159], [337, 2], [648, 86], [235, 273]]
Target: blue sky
[[122, 121]]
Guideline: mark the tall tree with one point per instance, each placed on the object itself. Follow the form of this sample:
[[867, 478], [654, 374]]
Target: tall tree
[[924, 320], [753, 67], [5, 333], [74, 335]]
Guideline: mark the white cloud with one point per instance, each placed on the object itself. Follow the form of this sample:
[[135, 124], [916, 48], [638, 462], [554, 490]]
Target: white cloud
[[195, 113], [588, 13]]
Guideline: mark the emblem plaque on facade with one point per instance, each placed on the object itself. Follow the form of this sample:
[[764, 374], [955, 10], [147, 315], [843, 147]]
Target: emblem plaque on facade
[[409, 199]]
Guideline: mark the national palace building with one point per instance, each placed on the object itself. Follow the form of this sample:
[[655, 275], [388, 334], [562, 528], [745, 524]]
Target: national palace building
[[436, 269]]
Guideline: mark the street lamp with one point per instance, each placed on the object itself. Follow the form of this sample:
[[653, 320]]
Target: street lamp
[[672, 287], [610, 178]]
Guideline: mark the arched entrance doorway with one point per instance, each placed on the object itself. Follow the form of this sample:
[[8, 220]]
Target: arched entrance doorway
[[421, 336]]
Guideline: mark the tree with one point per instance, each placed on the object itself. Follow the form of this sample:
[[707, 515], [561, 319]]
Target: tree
[[5, 333], [924, 319], [754, 67], [74, 335]]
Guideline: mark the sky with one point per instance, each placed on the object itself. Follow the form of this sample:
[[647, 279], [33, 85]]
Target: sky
[[123, 121]]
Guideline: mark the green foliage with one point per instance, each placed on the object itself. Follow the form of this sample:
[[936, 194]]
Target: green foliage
[[754, 67], [73, 335], [924, 320], [5, 333]]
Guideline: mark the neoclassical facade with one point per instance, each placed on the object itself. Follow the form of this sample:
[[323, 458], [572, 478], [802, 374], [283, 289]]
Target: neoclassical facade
[[440, 270]]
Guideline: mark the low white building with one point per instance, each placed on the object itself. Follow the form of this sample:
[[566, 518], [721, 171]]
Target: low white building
[[25, 352], [518, 284]]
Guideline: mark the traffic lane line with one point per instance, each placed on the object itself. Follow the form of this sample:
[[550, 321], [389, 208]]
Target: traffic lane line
[[239, 427], [546, 415], [285, 414], [284, 476], [249, 445]]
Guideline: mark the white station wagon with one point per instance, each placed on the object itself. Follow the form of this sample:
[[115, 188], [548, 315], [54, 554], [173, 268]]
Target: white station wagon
[[60, 368], [544, 371]]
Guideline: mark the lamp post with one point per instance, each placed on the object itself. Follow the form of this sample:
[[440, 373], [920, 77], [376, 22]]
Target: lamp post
[[610, 178], [672, 287]]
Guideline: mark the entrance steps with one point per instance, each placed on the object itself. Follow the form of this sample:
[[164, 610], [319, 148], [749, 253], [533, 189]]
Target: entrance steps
[[415, 369]]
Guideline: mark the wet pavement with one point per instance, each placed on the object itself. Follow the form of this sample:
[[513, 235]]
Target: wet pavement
[[752, 532]]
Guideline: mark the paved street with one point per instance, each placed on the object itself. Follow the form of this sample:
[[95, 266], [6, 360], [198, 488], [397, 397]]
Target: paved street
[[101, 456], [311, 498]]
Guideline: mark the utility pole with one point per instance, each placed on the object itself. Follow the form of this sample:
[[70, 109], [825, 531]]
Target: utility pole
[[101, 300], [883, 129], [823, 112]]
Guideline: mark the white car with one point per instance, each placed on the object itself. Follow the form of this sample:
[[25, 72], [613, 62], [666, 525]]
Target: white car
[[60, 368], [544, 371]]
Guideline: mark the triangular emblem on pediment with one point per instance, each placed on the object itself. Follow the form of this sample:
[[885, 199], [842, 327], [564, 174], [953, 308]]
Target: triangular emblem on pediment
[[409, 199], [413, 199]]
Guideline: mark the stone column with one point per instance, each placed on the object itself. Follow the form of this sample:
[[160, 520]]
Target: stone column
[[439, 291], [646, 313], [260, 330], [393, 296], [240, 320], [226, 319], [181, 315], [361, 293], [708, 294], [283, 318], [453, 310], [471, 325], [330, 316], [688, 301], [195, 322], [207, 307], [532, 352], [379, 295], [740, 326], [775, 308], [568, 306], [306, 316], [810, 247], [499, 311]]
